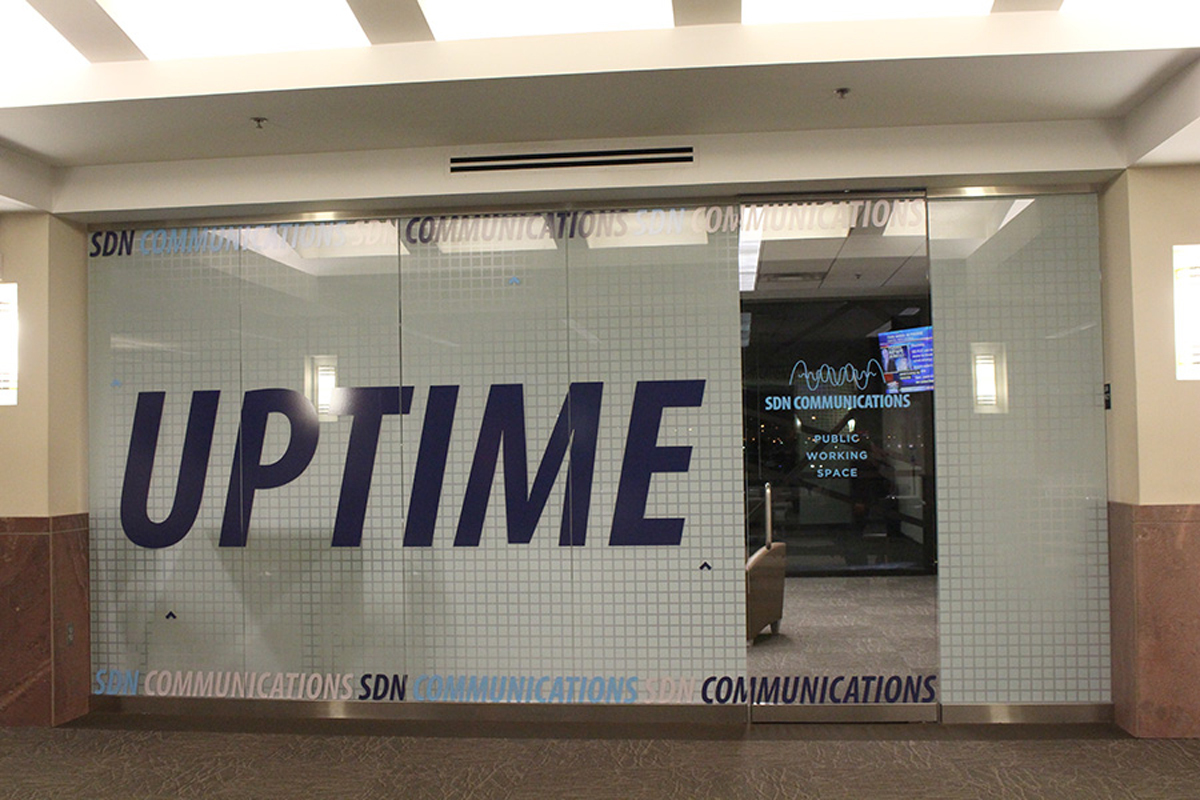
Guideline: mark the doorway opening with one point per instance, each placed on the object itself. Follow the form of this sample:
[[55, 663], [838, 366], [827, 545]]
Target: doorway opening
[[838, 396]]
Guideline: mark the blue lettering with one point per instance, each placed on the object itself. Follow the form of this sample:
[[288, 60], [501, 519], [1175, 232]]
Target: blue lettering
[[193, 467], [504, 425], [431, 466], [574, 439], [768, 690], [643, 458], [117, 682], [367, 407], [384, 687], [249, 474]]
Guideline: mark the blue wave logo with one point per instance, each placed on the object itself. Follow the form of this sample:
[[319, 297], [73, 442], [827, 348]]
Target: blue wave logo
[[825, 375]]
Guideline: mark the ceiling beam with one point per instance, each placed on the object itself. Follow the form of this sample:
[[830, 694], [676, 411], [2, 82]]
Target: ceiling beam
[[89, 29], [391, 21], [27, 184], [1167, 120], [1026, 5], [707, 12]]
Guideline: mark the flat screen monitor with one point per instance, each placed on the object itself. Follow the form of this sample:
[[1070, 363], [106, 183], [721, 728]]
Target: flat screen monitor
[[907, 358]]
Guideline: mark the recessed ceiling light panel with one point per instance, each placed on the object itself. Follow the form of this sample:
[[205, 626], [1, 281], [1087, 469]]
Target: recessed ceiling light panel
[[768, 12], [1146, 14], [487, 19], [207, 28], [29, 42]]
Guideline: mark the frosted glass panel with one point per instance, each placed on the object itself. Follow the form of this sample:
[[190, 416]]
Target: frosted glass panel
[[481, 458], [1023, 557]]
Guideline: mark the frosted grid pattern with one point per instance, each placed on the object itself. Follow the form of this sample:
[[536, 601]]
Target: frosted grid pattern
[[214, 316], [546, 319], [1023, 557], [241, 319], [158, 324], [688, 622]]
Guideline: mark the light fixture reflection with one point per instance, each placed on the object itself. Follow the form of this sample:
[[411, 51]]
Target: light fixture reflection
[[320, 379], [989, 377]]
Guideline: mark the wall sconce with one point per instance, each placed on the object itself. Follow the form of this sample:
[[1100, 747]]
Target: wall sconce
[[320, 379], [989, 377], [9, 335]]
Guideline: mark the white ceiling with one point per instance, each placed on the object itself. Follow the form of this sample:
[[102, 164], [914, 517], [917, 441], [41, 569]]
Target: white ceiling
[[713, 100], [716, 78]]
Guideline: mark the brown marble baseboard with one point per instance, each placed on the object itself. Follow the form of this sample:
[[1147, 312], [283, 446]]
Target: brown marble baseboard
[[1154, 557], [44, 620], [64, 522]]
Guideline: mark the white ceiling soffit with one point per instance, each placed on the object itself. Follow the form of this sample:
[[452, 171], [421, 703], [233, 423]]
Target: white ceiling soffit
[[747, 164], [687, 47], [1017, 71], [593, 106]]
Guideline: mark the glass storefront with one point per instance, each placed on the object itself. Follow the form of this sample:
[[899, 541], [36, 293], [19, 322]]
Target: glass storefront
[[487, 457], [523, 457]]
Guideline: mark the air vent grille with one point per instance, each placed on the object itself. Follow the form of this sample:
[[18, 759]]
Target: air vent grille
[[510, 162], [804, 277]]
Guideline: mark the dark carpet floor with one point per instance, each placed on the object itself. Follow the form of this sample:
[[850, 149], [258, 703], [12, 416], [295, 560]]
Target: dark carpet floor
[[123, 757]]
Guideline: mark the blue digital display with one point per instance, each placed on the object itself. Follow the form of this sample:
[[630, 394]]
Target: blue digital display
[[907, 358]]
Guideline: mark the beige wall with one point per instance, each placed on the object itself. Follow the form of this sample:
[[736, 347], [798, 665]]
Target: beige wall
[[24, 428], [68, 444], [1119, 362], [1154, 426], [43, 439]]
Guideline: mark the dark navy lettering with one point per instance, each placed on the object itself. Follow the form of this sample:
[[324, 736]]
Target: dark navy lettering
[[249, 474], [366, 405], [193, 468], [431, 466], [504, 426], [643, 458]]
